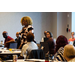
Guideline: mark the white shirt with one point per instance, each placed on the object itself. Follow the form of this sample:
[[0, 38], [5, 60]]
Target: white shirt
[[29, 46], [42, 40]]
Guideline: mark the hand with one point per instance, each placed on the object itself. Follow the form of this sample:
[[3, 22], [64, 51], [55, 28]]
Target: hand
[[47, 52]]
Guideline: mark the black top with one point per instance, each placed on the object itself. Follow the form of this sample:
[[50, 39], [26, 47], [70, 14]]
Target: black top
[[45, 39]]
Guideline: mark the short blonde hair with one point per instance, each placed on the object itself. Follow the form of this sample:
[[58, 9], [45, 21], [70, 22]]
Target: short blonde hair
[[69, 51], [27, 19]]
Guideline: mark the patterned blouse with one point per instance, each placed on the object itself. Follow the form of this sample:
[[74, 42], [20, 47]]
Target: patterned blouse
[[59, 55], [23, 34]]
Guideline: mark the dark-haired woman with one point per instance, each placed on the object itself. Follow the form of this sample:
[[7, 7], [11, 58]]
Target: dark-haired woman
[[50, 42], [60, 43]]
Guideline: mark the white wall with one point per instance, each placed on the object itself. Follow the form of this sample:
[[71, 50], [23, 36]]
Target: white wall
[[59, 24], [46, 22], [62, 21], [54, 24]]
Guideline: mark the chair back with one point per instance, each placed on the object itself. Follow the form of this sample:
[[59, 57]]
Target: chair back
[[36, 54]]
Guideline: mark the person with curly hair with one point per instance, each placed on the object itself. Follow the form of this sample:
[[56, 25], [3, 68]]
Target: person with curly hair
[[26, 22], [60, 43]]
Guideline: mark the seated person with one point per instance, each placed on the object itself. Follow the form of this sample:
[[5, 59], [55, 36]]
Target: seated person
[[30, 44], [18, 39], [69, 53], [61, 41], [72, 37], [8, 39], [44, 36], [50, 42]]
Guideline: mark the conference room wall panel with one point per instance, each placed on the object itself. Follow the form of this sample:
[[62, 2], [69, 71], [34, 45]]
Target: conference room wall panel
[[60, 20]]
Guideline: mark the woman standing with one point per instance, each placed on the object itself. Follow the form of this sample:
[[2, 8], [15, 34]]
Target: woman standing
[[27, 24]]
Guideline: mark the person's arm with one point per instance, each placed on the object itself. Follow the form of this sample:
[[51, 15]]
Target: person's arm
[[20, 44], [10, 41]]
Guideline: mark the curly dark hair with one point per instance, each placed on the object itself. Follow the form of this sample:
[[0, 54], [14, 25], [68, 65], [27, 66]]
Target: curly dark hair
[[61, 42]]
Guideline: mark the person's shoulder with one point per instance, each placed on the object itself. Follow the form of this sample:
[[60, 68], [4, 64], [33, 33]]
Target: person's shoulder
[[9, 37], [30, 26], [61, 48], [33, 42], [35, 45], [51, 39], [70, 39]]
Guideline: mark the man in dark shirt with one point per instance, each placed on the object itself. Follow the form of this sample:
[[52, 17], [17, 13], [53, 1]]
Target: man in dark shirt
[[18, 39], [8, 39]]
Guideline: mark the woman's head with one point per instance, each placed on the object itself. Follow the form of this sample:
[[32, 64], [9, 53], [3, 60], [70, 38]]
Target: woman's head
[[61, 42], [30, 37], [69, 52], [49, 34], [25, 21]]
